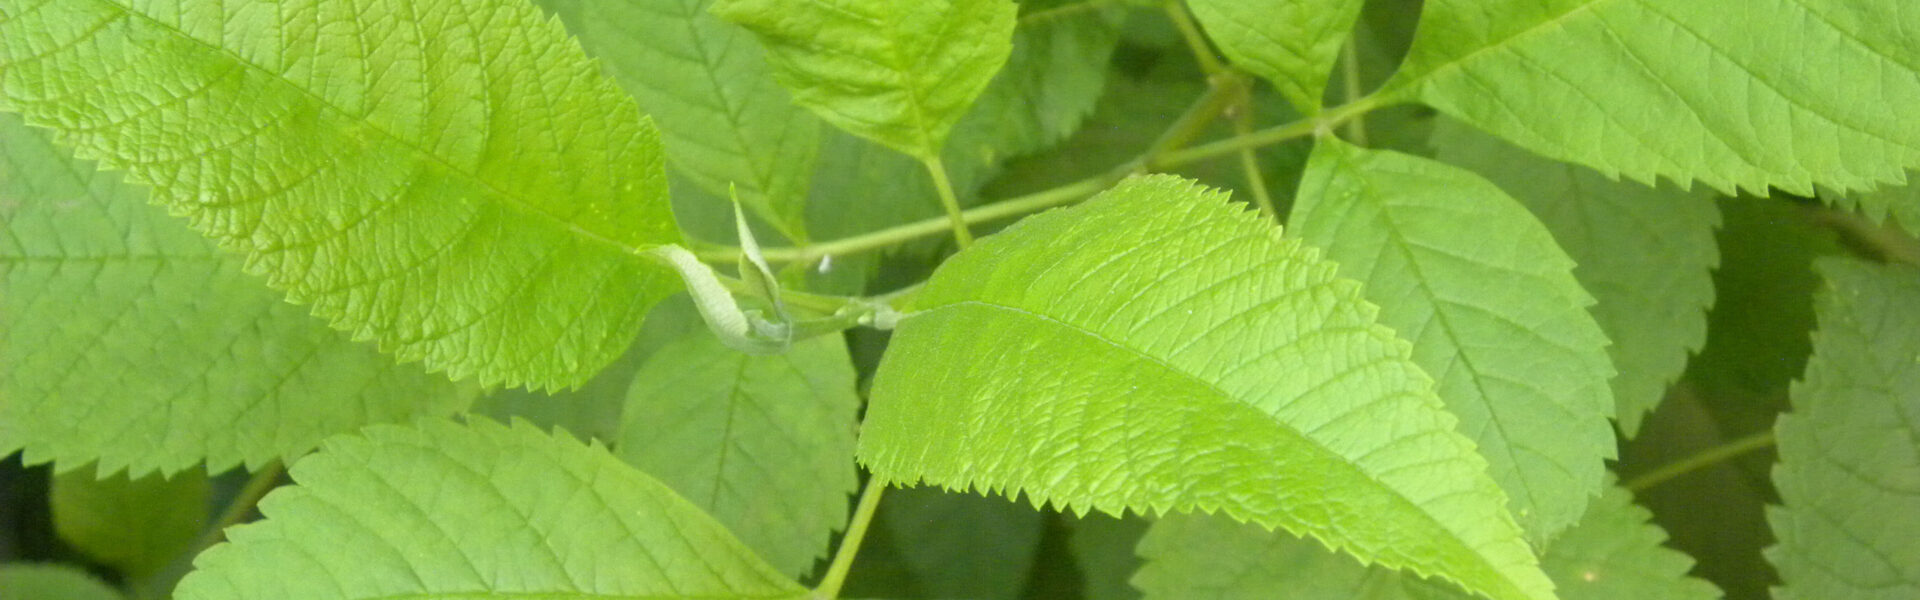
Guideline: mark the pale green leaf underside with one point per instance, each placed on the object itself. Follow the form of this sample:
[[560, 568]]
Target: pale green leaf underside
[[52, 582], [1493, 311], [725, 122], [764, 443], [136, 526], [132, 343], [898, 73], [1646, 254], [442, 510], [1613, 553], [1292, 43], [451, 178], [1849, 472], [1219, 368], [1732, 93]]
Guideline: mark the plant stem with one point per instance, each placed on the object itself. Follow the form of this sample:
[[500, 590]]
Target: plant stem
[[1703, 459], [1197, 42], [1270, 135], [900, 233], [1250, 163], [257, 486], [1357, 127], [836, 576], [938, 170]]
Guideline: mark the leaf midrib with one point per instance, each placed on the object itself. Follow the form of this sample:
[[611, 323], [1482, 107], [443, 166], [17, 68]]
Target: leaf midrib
[[498, 195]]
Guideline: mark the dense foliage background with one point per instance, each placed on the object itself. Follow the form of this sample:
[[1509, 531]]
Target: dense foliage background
[[1723, 271]]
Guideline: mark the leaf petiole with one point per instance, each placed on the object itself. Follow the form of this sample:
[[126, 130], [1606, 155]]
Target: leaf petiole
[[836, 576]]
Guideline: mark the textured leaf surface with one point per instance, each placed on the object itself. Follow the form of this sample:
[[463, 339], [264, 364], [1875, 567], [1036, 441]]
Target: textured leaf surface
[[1492, 308], [1049, 358], [52, 582], [898, 73], [477, 511], [451, 178], [1849, 472], [137, 526], [1791, 94], [1646, 254], [1292, 43], [723, 118], [762, 443], [1613, 553], [128, 341]]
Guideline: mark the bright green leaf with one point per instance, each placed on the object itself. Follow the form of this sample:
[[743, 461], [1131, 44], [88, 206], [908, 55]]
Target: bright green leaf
[[725, 122], [131, 342], [1613, 553], [898, 73], [1647, 255], [1292, 43], [1731, 93], [450, 511], [1849, 472], [764, 443], [138, 526], [451, 178], [52, 582], [1493, 311], [1052, 79], [1049, 358]]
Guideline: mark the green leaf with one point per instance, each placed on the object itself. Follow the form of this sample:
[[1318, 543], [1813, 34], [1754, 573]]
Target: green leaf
[[138, 526], [1849, 472], [442, 510], [898, 73], [131, 342], [52, 582], [1647, 255], [1902, 203], [724, 119], [453, 179], [764, 443], [1613, 553], [1292, 43], [1052, 79], [1616, 553], [1044, 359], [1493, 311], [1789, 94]]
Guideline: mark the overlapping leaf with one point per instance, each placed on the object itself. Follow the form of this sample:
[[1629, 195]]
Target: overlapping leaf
[[128, 341], [1613, 553], [898, 73], [726, 124], [1901, 203], [1849, 472], [138, 526], [52, 582], [451, 178], [762, 443], [1646, 254], [1492, 308], [1217, 367], [1292, 43], [443, 510], [1790, 94]]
